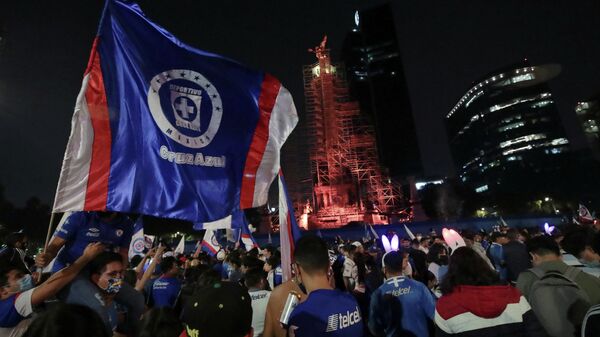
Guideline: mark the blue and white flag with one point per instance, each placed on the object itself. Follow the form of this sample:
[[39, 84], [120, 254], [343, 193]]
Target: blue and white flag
[[246, 236], [139, 241], [164, 129], [289, 232], [210, 243]]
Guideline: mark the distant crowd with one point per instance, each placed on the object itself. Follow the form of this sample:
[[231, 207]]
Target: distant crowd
[[510, 282]]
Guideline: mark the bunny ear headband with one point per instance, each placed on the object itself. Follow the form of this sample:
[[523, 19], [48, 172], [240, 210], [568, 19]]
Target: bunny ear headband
[[390, 246], [548, 229], [453, 239]]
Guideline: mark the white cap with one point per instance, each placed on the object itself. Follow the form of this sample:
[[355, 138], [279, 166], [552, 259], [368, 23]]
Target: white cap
[[357, 244], [221, 255]]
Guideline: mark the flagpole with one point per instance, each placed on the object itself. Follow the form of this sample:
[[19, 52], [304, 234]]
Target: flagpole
[[49, 231]]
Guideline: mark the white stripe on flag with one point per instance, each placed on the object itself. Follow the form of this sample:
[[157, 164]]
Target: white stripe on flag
[[284, 234], [283, 120], [72, 184]]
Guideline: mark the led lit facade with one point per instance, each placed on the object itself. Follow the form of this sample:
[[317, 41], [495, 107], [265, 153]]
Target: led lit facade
[[506, 128], [588, 112]]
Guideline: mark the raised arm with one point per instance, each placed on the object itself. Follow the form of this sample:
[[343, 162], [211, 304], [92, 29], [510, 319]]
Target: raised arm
[[139, 285], [64, 276]]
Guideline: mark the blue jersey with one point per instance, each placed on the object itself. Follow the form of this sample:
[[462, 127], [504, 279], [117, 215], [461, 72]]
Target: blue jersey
[[83, 228], [165, 291], [326, 313], [497, 256], [401, 305], [14, 309]]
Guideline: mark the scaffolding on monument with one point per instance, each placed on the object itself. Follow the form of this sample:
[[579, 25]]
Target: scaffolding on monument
[[348, 182]]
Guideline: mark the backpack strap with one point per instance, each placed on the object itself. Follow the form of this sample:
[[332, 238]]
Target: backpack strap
[[571, 273], [538, 272]]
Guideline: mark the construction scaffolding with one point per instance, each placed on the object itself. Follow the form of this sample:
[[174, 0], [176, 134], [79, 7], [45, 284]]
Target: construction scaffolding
[[348, 183]]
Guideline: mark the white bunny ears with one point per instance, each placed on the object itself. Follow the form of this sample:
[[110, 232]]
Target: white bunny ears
[[390, 246], [453, 239]]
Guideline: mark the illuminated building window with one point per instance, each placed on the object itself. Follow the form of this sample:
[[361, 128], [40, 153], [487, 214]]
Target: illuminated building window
[[554, 150], [521, 78], [482, 188], [559, 141], [528, 138], [542, 103], [519, 149], [511, 126], [479, 93], [513, 158]]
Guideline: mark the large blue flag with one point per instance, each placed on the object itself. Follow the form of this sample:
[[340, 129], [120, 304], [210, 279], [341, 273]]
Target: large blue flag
[[164, 129]]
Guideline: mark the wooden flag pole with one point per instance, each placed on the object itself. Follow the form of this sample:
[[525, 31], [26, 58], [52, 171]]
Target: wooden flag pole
[[49, 231]]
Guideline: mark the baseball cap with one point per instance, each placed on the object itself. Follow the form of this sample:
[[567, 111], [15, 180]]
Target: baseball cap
[[223, 309]]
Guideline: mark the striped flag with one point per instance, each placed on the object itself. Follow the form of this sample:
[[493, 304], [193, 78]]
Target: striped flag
[[289, 232], [210, 244], [164, 129], [247, 238], [584, 214]]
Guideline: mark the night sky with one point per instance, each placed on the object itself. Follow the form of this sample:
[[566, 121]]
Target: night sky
[[445, 46]]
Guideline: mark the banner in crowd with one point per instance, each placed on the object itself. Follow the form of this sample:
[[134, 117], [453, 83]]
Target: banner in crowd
[[289, 232], [139, 241], [210, 243], [163, 129], [584, 214]]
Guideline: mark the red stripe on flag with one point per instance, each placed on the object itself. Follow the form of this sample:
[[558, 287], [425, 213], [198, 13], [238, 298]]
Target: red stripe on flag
[[266, 102], [97, 186], [290, 234]]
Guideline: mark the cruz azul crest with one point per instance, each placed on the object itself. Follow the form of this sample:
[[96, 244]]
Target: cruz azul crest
[[185, 106]]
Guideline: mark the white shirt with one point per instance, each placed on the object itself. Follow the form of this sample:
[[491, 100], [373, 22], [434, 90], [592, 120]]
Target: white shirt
[[260, 298], [23, 307]]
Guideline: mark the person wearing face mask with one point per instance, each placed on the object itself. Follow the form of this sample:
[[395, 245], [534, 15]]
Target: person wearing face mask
[[106, 274], [18, 294], [81, 228]]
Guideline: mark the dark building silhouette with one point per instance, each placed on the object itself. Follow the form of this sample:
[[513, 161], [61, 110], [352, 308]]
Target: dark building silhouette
[[376, 79], [588, 112], [506, 136]]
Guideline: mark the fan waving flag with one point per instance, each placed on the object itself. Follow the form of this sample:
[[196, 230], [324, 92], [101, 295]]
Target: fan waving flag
[[289, 232], [161, 128]]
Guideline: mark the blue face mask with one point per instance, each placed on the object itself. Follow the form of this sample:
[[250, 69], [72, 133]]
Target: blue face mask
[[25, 283], [114, 285]]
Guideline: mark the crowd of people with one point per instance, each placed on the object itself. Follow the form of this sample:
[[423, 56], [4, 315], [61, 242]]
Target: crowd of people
[[517, 282]]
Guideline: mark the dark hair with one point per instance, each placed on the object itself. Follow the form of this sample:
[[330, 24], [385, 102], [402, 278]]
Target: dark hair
[[167, 263], [543, 245], [98, 264], [434, 252], [496, 235], [359, 260], [273, 261], [234, 258], [577, 238], [512, 234], [253, 277], [311, 254], [252, 262], [161, 322], [135, 260], [466, 267], [130, 277], [208, 278], [12, 239], [68, 320], [270, 249]]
